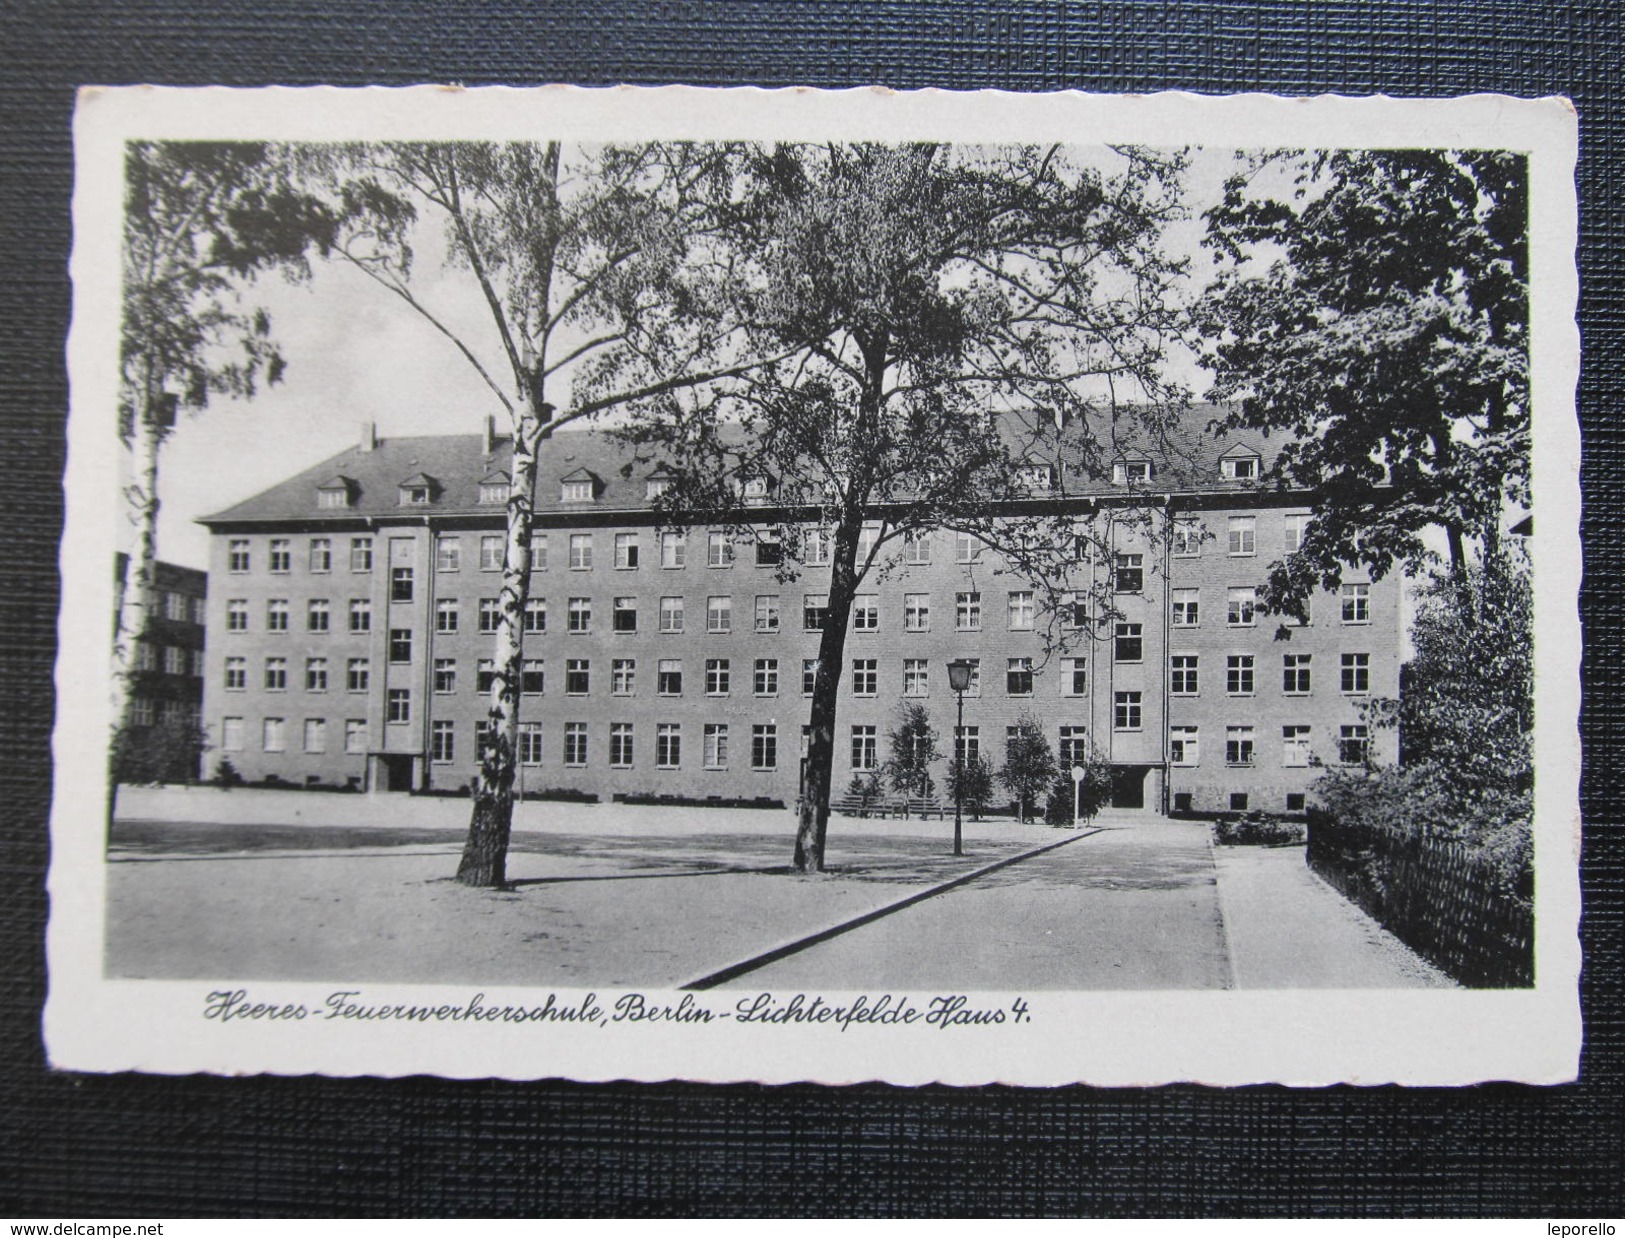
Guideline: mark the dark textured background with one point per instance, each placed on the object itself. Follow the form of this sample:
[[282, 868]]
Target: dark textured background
[[79, 1146]]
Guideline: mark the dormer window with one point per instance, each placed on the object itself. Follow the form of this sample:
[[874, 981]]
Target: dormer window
[[495, 488], [1038, 476], [755, 488], [578, 487], [658, 483], [1239, 467], [1131, 472], [418, 491], [336, 493]]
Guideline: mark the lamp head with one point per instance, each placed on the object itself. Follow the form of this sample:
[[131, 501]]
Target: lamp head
[[959, 674]]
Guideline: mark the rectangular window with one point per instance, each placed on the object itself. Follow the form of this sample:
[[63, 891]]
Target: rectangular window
[[1182, 674], [719, 549], [673, 550], [620, 745], [767, 612], [809, 675], [865, 676], [766, 677], [237, 615], [916, 612], [1073, 746], [865, 750], [916, 677], [1126, 711], [361, 554], [1292, 533], [1129, 576], [764, 746], [231, 734], [276, 674], [146, 656], [274, 735], [530, 743], [717, 676], [485, 675], [623, 615], [492, 552], [1239, 468], [321, 554], [442, 742], [966, 548], [400, 644], [719, 613], [236, 674], [175, 607], [1238, 674], [1356, 601], [1295, 673], [866, 613], [445, 675], [1018, 677], [917, 547], [538, 552], [974, 688], [360, 615], [671, 614], [357, 673], [579, 490], [174, 660], [716, 745], [968, 744], [448, 554], [1238, 745], [238, 558], [1356, 672], [535, 615], [1295, 746], [968, 612], [575, 743], [1242, 535], [769, 551], [194, 661], [276, 615], [1021, 610], [669, 677], [355, 735], [141, 712], [1353, 744], [1075, 676], [281, 555], [815, 611], [868, 539], [1187, 608], [578, 615], [399, 705], [532, 677], [626, 552], [1187, 538], [1240, 606], [445, 616], [815, 546], [581, 552], [1074, 610], [577, 676], [400, 584], [482, 737], [668, 745], [1128, 643], [315, 674], [1183, 745]]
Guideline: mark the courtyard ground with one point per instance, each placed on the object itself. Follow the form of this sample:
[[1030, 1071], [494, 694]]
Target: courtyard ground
[[610, 895]]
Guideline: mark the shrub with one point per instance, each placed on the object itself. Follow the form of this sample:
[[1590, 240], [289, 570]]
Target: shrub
[[1256, 829], [226, 776]]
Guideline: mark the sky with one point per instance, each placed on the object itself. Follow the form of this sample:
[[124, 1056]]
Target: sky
[[357, 354]]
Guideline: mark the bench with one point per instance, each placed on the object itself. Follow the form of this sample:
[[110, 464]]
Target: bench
[[857, 806], [923, 807]]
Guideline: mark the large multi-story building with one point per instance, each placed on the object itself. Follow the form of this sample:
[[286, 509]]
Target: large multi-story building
[[167, 661], [352, 608]]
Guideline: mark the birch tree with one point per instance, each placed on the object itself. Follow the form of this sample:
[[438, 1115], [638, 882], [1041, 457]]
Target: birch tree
[[592, 269], [202, 221], [952, 320]]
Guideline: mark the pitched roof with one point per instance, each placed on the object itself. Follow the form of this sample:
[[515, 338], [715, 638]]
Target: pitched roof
[[1187, 457]]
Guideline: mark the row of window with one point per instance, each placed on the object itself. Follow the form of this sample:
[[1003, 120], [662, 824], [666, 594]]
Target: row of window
[[144, 711], [1240, 745], [1241, 541], [181, 607], [173, 659]]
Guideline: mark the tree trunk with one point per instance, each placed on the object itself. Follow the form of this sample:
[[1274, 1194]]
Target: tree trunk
[[136, 592], [485, 853], [813, 826]]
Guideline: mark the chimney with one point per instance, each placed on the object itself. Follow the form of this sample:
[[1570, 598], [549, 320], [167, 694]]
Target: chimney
[[369, 435], [490, 434]]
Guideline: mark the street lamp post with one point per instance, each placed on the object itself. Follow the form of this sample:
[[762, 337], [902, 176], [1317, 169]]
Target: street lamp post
[[959, 679]]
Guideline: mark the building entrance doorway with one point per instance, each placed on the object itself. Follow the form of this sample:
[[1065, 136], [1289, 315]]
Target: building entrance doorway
[[392, 771], [1128, 785]]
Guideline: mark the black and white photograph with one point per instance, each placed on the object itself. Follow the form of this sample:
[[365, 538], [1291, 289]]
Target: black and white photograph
[[735, 585]]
